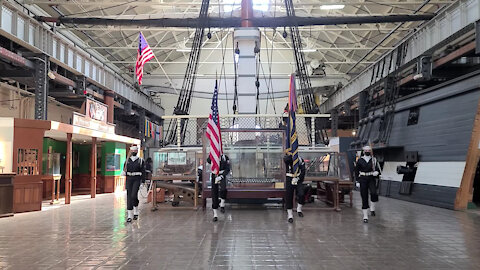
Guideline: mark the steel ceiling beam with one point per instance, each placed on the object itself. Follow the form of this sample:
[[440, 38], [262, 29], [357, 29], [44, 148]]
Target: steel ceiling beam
[[231, 48], [236, 22], [174, 29], [197, 4], [231, 62]]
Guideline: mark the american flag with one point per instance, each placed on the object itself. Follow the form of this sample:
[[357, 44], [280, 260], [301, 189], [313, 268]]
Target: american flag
[[213, 134], [144, 55], [292, 141]]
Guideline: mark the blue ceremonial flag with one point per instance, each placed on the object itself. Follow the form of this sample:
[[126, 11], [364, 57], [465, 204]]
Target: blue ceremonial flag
[[292, 141]]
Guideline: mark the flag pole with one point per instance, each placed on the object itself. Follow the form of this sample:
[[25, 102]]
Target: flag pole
[[219, 130], [219, 125]]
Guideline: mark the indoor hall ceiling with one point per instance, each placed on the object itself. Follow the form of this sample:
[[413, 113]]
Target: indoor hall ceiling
[[338, 48]]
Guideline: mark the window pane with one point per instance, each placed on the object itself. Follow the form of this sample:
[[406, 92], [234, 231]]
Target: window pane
[[31, 35], [62, 53], [94, 72], [79, 63], [7, 19], [54, 49], [21, 28], [87, 68], [70, 57]]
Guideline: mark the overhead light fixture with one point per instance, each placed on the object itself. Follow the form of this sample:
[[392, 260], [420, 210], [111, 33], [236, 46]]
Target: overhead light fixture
[[331, 7], [308, 50], [51, 75], [184, 50]]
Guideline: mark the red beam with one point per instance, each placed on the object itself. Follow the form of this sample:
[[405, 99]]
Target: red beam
[[405, 80], [455, 54], [15, 58], [247, 13], [63, 80]]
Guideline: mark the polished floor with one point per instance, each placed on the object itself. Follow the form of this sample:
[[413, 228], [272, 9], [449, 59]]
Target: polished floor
[[92, 234]]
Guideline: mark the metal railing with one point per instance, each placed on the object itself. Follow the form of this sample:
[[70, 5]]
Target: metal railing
[[196, 126]]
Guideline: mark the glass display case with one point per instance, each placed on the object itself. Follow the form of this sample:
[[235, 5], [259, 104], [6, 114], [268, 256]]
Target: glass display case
[[256, 163], [174, 161], [51, 164], [329, 173], [325, 163], [175, 170]]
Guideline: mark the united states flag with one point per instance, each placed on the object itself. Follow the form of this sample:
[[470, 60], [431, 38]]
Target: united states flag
[[213, 134], [144, 55]]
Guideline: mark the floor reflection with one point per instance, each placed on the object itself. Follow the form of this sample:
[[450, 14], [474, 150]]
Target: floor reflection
[[92, 233]]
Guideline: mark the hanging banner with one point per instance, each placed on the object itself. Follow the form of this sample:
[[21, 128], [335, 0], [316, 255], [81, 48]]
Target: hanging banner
[[157, 133]]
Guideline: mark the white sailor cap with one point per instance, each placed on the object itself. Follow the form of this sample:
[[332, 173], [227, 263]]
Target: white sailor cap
[[367, 148]]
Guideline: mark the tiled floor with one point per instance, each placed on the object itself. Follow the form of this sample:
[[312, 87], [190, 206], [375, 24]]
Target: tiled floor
[[92, 234]]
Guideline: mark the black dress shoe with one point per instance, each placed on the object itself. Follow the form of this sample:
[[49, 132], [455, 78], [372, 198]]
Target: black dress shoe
[[135, 217], [222, 209], [129, 219], [215, 219], [365, 220], [372, 213], [300, 214], [290, 220]]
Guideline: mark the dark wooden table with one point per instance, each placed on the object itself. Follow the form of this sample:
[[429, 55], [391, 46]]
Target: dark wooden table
[[336, 188], [164, 178]]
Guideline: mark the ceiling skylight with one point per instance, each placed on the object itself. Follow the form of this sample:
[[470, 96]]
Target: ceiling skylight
[[260, 5]]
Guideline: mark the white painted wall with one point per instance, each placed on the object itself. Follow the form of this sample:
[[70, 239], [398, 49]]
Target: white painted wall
[[13, 104], [447, 174], [6, 144]]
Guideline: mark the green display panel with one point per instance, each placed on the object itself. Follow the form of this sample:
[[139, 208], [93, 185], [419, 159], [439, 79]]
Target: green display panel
[[112, 158]]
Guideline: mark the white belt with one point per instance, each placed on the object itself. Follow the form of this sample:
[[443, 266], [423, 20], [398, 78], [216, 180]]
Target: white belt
[[134, 173], [290, 174], [220, 172]]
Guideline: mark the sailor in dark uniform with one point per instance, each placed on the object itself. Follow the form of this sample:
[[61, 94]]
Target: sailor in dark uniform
[[135, 172], [368, 171], [219, 182], [294, 184]]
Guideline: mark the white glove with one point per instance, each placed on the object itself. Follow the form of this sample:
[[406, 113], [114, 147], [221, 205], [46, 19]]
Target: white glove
[[375, 173], [294, 181], [357, 184], [123, 173], [218, 179]]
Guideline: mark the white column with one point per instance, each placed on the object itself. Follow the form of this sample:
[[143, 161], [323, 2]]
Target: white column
[[247, 91]]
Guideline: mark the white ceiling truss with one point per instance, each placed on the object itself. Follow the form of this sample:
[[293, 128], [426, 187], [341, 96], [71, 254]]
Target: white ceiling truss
[[339, 47]]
